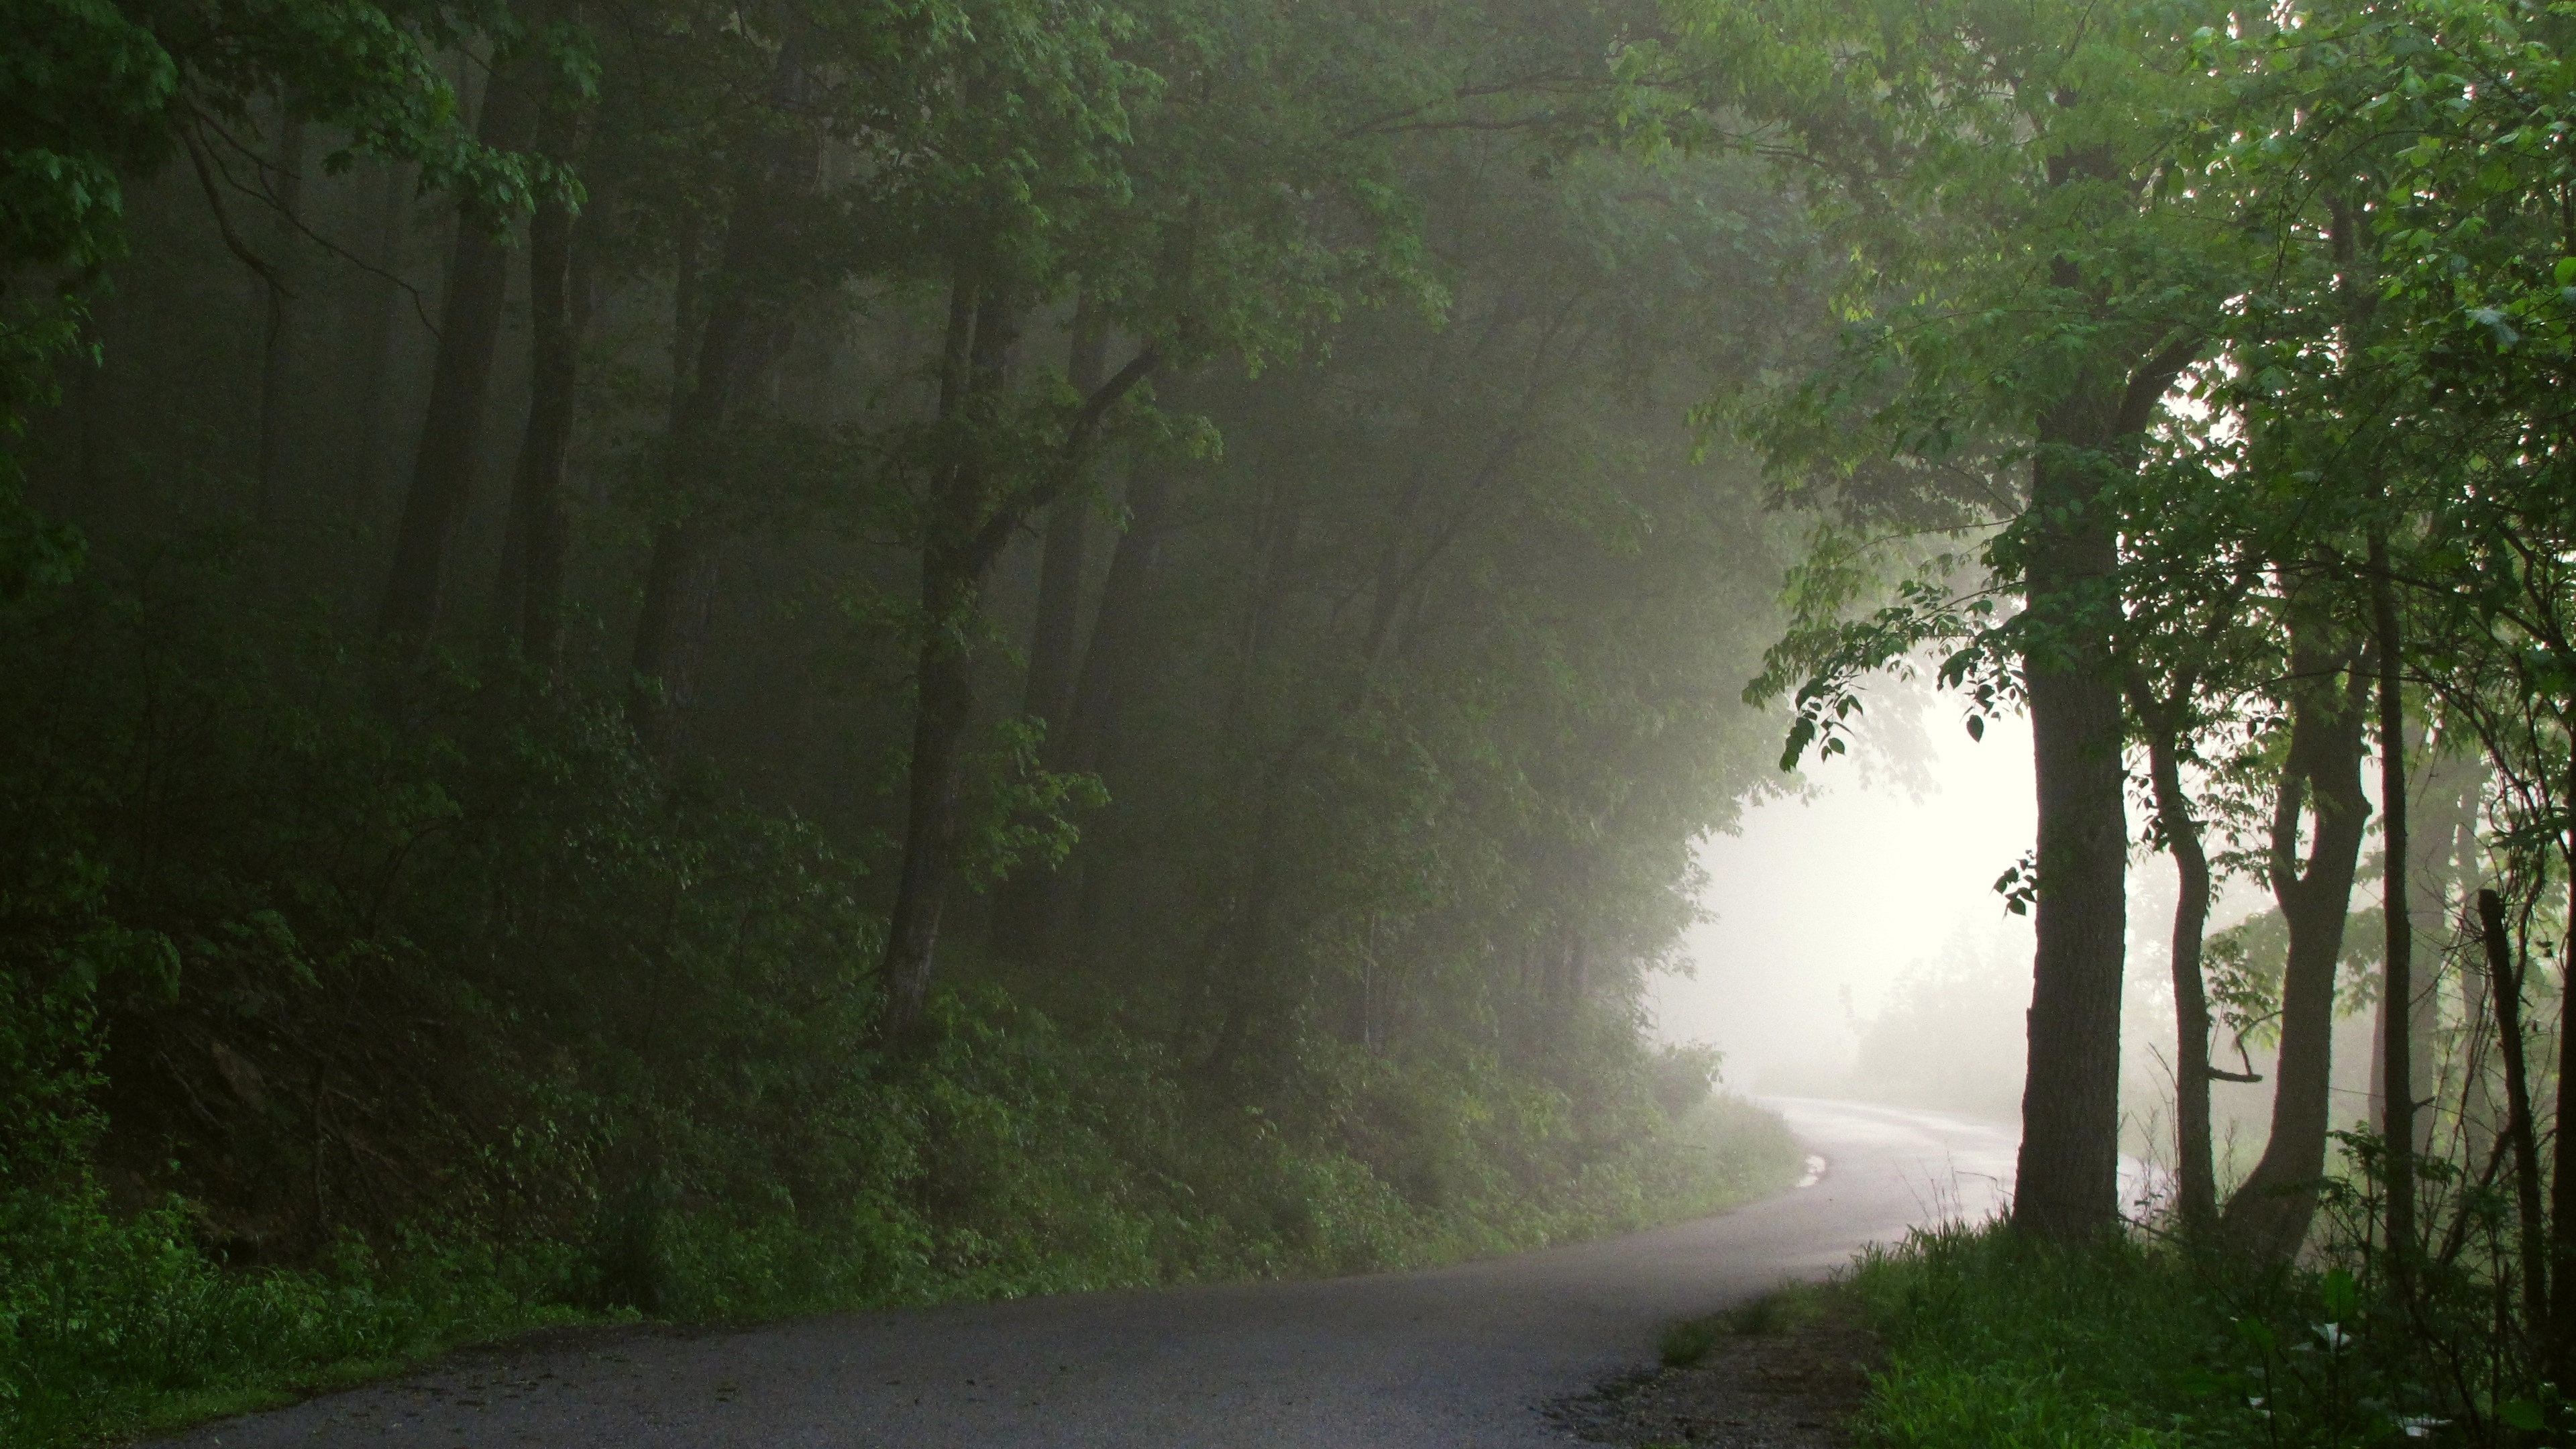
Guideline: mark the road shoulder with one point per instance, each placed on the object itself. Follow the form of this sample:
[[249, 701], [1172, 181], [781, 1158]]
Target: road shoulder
[[1788, 1371]]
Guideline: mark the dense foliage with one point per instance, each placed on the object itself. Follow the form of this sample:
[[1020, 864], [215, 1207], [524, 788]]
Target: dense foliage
[[719, 659], [2224, 353]]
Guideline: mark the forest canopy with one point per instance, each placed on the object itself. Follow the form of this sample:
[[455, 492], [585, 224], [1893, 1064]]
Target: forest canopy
[[707, 659], [702, 657]]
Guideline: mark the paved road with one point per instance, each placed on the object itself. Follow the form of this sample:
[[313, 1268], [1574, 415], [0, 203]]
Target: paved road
[[1453, 1357]]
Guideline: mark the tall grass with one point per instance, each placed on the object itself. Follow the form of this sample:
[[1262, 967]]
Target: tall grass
[[1014, 1163], [2001, 1343]]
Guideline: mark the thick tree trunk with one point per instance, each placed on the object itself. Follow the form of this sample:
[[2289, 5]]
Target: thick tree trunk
[[2067, 1179], [2270, 1213], [470, 324], [528, 601], [2504, 982], [2397, 993]]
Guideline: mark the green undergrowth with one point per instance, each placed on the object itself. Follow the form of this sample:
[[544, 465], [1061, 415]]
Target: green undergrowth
[[1015, 1161], [1999, 1343], [349, 1012], [1784, 1309]]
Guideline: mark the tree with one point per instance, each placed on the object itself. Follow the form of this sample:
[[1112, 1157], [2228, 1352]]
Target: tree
[[2034, 284]]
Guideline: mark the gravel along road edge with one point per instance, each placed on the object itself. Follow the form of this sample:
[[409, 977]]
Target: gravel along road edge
[[1472, 1355]]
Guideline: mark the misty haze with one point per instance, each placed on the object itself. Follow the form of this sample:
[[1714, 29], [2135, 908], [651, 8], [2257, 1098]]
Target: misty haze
[[1782, 724]]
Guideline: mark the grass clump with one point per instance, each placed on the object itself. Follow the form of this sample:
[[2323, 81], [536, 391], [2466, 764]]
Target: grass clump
[[1993, 1340], [1784, 1309]]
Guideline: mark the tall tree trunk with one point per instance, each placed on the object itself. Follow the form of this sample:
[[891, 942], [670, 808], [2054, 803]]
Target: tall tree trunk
[[1113, 668], [987, 325], [2067, 1177], [2562, 1188], [2397, 993], [528, 600], [1115, 655], [741, 338], [1054, 638], [2504, 982], [2270, 1213], [2462, 794], [276, 358], [2195, 1165], [2432, 834], [376, 336], [1024, 906], [970, 522], [442, 476]]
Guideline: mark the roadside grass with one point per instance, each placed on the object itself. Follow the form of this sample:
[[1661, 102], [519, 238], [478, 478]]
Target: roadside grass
[[1993, 1341], [115, 1325], [1784, 1309], [2000, 1343]]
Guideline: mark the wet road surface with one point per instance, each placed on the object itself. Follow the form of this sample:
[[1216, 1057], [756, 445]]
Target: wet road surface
[[1462, 1356]]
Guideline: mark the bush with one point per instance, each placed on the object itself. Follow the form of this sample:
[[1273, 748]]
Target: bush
[[353, 1010]]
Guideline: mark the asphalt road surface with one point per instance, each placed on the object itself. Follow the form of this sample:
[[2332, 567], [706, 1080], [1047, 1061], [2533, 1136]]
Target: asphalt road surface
[[1464, 1356]]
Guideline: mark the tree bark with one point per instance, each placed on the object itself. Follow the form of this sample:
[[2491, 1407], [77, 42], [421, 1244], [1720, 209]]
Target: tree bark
[[1024, 908], [2397, 992], [2067, 1176], [528, 601], [2195, 1166], [951, 576], [2505, 985], [1054, 654], [2562, 1187], [2270, 1213], [470, 324], [967, 532], [740, 340], [1116, 652], [1113, 667]]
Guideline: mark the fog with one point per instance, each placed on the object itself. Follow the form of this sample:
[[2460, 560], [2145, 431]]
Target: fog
[[1855, 946], [1826, 905]]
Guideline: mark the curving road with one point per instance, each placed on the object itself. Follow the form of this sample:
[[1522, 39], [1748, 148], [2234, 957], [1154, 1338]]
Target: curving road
[[1458, 1356]]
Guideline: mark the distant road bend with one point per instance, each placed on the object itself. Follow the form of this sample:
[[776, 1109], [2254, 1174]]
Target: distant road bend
[[1460, 1356]]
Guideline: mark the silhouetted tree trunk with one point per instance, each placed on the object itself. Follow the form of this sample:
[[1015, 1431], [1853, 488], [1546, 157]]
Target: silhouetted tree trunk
[[2195, 1168], [2397, 994], [442, 476], [1113, 668], [2434, 832], [2562, 1188], [967, 532], [983, 326], [1054, 638], [2504, 984], [741, 338], [528, 601], [376, 335], [2067, 1175], [1024, 908], [2270, 1213]]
